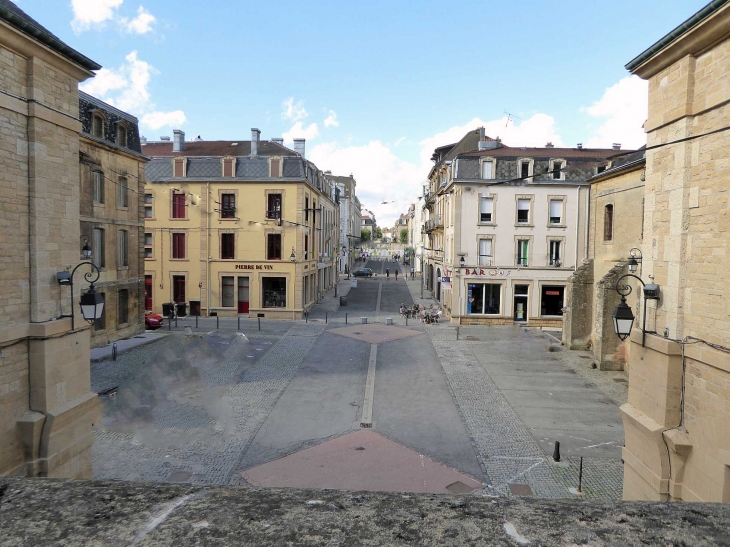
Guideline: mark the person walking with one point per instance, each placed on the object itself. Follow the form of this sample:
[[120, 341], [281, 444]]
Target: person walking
[[387, 273], [413, 273]]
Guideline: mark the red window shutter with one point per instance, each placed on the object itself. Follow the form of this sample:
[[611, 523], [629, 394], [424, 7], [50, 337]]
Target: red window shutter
[[227, 168]]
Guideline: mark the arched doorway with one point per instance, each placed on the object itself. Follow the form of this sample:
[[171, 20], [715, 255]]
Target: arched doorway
[[429, 284], [438, 284]]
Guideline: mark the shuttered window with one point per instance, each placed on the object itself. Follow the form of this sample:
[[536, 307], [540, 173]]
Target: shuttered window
[[556, 211], [178, 245], [486, 209]]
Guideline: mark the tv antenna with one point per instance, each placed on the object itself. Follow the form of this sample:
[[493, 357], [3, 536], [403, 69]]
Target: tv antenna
[[510, 118]]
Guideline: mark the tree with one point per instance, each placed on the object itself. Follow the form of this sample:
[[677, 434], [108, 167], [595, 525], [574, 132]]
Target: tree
[[404, 235], [364, 235], [378, 233]]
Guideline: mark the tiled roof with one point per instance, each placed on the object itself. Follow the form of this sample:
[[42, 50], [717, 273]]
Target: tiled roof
[[628, 161], [573, 153], [216, 149], [16, 17]]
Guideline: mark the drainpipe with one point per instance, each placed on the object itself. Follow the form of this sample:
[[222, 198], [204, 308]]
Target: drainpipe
[[577, 223], [207, 244]]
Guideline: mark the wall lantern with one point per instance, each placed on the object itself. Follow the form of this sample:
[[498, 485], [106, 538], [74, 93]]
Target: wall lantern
[[623, 318], [634, 258], [92, 303], [85, 250], [292, 256], [462, 261]]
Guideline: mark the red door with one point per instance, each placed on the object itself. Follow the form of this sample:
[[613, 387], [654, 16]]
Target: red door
[[148, 293], [243, 295]]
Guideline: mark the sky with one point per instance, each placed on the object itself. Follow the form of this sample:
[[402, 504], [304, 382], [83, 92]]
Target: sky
[[373, 86]]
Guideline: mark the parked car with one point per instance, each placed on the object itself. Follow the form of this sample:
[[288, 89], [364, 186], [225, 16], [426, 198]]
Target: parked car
[[153, 321], [363, 272]]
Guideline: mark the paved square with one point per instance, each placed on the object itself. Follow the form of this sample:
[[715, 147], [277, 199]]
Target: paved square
[[375, 333]]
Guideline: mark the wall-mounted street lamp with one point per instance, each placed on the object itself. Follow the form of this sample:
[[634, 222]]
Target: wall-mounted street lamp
[[292, 256], [462, 261], [635, 257], [92, 302], [623, 317]]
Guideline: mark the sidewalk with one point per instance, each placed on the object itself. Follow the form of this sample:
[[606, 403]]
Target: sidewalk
[[414, 286], [329, 302], [105, 352]]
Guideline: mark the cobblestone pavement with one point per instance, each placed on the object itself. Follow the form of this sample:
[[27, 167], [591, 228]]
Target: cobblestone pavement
[[187, 407]]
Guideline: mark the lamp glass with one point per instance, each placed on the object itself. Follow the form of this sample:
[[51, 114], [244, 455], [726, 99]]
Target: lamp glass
[[92, 305], [292, 256], [623, 320], [633, 264], [86, 252]]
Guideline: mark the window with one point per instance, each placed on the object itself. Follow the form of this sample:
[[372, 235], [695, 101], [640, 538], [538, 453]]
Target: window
[[486, 208], [557, 170], [306, 209], [123, 307], [608, 223], [123, 248], [523, 248], [178, 245], [523, 211], [100, 323], [148, 293], [97, 182], [97, 126], [227, 292], [148, 249], [122, 193], [556, 211], [122, 136], [274, 289], [98, 255], [525, 169], [178, 205], [228, 205], [306, 247], [273, 247], [485, 252], [178, 288], [483, 298], [555, 253], [552, 300], [148, 206], [487, 170], [274, 206], [228, 246]]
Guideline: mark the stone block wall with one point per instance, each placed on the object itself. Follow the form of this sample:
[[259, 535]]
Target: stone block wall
[[578, 318]]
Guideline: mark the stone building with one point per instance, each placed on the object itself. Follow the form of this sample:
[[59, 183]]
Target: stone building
[[350, 221], [243, 227], [511, 226], [112, 214], [47, 406], [676, 419], [616, 227]]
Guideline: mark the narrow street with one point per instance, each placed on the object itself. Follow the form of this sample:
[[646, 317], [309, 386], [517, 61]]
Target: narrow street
[[332, 402]]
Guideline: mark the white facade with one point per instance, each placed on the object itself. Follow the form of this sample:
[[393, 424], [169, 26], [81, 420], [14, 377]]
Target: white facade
[[350, 223]]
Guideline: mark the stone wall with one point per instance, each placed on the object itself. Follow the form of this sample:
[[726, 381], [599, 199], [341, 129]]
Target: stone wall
[[608, 350], [577, 320]]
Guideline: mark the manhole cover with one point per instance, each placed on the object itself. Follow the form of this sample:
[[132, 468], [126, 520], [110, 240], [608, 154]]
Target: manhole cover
[[356, 333], [179, 476], [459, 487]]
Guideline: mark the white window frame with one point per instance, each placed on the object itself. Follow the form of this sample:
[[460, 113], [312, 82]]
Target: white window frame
[[551, 168], [490, 222], [530, 168], [150, 245], [563, 201], [530, 199], [493, 164], [488, 259], [521, 260], [122, 193]]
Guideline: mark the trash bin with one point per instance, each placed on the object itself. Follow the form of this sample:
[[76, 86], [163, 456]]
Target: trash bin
[[166, 309], [182, 309], [343, 301]]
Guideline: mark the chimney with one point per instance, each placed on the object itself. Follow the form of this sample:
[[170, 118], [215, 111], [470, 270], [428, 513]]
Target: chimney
[[142, 139], [482, 133], [549, 145], [617, 146], [164, 138], [487, 143], [255, 136], [178, 144], [580, 146], [299, 146], [278, 140]]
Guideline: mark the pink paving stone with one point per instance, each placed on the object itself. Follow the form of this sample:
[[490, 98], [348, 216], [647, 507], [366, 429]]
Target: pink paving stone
[[362, 460]]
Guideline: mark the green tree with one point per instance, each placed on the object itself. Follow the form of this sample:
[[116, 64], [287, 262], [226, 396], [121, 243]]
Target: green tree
[[378, 233], [365, 235], [404, 235]]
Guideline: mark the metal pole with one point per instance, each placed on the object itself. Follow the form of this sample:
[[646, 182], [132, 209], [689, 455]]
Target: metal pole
[[114, 351], [239, 323], [325, 317], [406, 319], [176, 321], [457, 333], [259, 322], [345, 318], [217, 322], [196, 321], [580, 476], [643, 326]]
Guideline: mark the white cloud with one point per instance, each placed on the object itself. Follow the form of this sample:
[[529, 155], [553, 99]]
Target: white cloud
[[142, 24], [625, 107], [88, 13], [127, 88], [298, 131], [331, 120], [156, 120], [293, 111]]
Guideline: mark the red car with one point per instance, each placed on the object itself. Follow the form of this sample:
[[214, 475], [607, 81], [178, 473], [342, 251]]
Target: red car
[[153, 321]]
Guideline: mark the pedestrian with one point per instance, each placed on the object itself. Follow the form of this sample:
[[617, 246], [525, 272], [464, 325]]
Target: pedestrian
[[387, 273], [396, 274]]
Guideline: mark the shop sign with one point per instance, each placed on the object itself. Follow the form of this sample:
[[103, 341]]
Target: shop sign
[[321, 264], [445, 280], [493, 272], [254, 267]]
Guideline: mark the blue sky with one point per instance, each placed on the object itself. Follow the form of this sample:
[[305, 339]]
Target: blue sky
[[373, 86]]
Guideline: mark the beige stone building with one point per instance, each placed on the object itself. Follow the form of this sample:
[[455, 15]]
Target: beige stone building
[[47, 408], [112, 214], [615, 231], [676, 420], [237, 228]]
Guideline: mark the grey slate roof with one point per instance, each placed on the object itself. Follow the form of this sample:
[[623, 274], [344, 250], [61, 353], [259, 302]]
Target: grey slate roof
[[203, 167], [252, 167], [16, 17], [158, 169]]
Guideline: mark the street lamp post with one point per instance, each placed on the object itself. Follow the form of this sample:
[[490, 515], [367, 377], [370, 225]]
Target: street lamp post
[[92, 302], [623, 318]]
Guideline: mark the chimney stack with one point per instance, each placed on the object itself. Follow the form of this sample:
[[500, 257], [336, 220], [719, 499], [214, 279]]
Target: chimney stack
[[278, 140], [299, 147], [580, 146], [617, 146], [164, 138], [482, 133], [178, 143], [255, 136], [549, 145]]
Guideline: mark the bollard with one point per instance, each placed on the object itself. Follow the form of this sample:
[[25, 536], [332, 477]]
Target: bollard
[[306, 317], [457, 333], [325, 317], [580, 476], [259, 323], [239, 323], [388, 320], [114, 351], [364, 320], [556, 452], [345, 318], [217, 322], [196, 321], [406, 320]]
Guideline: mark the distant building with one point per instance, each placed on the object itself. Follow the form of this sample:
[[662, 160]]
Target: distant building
[[350, 221]]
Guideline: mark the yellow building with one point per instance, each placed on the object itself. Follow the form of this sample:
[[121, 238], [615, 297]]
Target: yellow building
[[246, 227]]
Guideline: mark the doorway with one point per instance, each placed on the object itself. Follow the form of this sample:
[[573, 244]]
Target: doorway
[[520, 303], [243, 294], [148, 293], [438, 284]]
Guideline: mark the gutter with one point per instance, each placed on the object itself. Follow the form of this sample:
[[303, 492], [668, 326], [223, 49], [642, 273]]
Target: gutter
[[690, 23]]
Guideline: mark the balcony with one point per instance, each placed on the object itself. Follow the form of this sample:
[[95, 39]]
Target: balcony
[[433, 223]]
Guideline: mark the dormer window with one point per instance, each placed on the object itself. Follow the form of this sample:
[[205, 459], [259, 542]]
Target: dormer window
[[557, 169], [525, 168], [122, 136], [97, 126]]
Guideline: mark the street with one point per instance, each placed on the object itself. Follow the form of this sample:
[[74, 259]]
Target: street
[[331, 402]]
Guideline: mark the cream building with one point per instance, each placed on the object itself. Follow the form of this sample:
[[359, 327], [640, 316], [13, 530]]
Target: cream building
[[677, 416], [350, 221], [237, 228], [48, 408]]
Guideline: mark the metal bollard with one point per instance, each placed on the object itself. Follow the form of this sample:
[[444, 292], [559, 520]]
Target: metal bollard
[[457, 333], [556, 452], [580, 476], [217, 322], [345, 318], [239, 323], [259, 322], [196, 321], [114, 351], [306, 317], [407, 319], [325, 317]]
